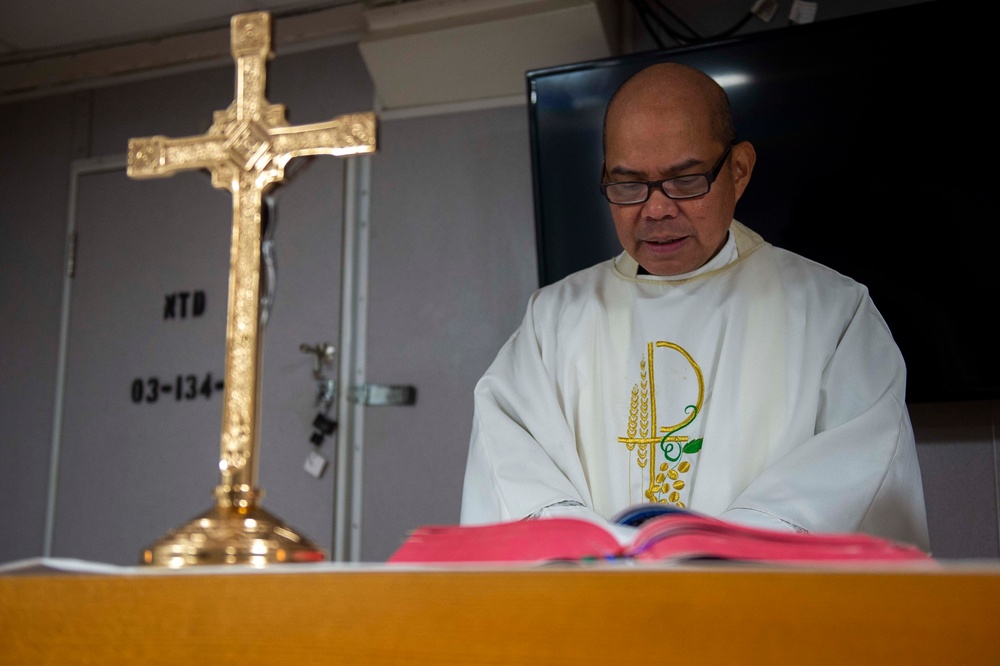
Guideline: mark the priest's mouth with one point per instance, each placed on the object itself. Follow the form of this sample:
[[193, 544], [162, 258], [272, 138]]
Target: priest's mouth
[[668, 243]]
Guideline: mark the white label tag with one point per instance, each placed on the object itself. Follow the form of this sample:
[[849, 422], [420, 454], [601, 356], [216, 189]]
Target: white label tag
[[803, 12], [315, 464]]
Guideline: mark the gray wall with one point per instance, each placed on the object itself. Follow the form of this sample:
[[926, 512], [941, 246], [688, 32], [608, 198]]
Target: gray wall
[[451, 265], [40, 139]]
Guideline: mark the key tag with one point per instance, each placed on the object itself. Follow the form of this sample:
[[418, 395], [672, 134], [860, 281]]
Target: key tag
[[315, 464]]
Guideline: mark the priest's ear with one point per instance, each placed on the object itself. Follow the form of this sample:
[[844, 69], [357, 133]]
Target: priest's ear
[[741, 163]]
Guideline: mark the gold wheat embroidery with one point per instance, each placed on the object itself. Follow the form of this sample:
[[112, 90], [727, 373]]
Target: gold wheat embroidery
[[666, 484]]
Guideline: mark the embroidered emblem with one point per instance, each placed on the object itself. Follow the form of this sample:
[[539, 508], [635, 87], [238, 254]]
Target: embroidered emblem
[[647, 440]]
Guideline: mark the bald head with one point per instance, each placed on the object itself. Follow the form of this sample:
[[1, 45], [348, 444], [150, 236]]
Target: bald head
[[672, 123], [671, 88]]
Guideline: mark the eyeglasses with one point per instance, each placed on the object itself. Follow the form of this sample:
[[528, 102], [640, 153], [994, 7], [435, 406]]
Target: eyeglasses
[[678, 187]]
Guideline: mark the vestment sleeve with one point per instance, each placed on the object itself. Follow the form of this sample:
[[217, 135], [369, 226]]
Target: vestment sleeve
[[859, 471], [522, 454]]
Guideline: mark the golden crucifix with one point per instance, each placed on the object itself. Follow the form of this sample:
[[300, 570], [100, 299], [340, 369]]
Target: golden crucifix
[[246, 150]]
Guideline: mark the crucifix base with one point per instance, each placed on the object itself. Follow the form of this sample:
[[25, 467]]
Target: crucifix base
[[232, 532]]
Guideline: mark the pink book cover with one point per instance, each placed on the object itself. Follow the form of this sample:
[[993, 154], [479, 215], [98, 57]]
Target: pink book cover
[[673, 535], [548, 539]]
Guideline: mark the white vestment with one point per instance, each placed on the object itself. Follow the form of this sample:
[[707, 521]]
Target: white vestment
[[763, 388]]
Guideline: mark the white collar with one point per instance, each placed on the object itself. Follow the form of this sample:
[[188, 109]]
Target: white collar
[[728, 254]]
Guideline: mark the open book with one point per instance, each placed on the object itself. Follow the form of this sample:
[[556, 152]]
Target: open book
[[660, 533]]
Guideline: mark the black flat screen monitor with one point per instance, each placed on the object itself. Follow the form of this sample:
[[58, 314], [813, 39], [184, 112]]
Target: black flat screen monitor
[[873, 152]]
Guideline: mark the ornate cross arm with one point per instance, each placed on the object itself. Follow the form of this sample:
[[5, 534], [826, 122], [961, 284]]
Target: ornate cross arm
[[347, 135], [157, 156]]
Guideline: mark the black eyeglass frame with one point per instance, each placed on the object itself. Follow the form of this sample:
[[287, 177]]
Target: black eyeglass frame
[[710, 176]]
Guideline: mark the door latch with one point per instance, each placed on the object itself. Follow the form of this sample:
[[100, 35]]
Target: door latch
[[382, 395]]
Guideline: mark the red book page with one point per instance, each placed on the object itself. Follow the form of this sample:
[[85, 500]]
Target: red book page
[[691, 536], [541, 540]]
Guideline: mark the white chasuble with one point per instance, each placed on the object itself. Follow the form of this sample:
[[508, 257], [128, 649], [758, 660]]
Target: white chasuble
[[763, 388]]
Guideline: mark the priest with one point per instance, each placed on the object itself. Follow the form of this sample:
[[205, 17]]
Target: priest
[[702, 367]]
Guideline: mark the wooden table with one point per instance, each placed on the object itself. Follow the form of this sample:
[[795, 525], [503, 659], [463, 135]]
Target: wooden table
[[547, 615]]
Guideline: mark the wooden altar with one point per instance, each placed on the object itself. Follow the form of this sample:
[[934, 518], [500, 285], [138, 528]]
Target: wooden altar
[[546, 615]]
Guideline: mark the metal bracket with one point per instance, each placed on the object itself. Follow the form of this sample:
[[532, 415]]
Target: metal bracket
[[327, 393], [381, 395]]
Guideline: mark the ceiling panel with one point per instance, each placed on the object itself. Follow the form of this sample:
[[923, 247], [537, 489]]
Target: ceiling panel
[[32, 27]]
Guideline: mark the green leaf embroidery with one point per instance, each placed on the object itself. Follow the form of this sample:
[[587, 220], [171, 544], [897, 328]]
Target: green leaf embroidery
[[694, 446]]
